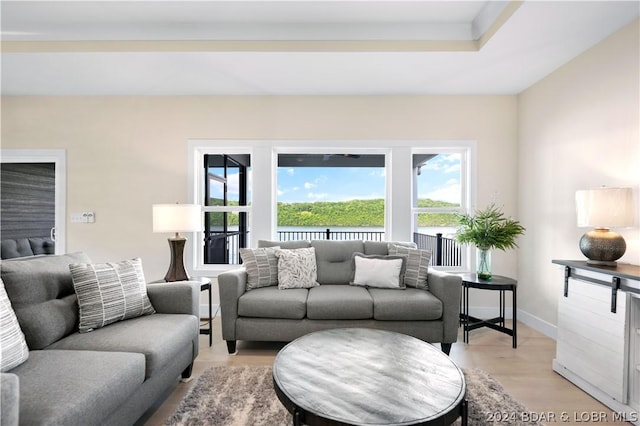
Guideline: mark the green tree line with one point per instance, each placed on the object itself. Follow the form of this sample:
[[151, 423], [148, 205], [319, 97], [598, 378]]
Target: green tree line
[[353, 213]]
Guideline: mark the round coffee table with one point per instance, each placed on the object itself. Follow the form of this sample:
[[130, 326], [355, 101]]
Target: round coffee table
[[357, 376]]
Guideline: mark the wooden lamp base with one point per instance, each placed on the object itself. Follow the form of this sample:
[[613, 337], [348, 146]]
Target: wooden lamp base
[[176, 270]]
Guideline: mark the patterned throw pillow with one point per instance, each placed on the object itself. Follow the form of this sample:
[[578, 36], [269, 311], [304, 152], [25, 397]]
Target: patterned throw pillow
[[297, 268], [261, 265], [417, 265], [13, 348], [110, 292], [378, 271]]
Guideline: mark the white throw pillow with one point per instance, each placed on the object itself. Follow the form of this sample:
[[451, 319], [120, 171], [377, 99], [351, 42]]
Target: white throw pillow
[[297, 268], [110, 292], [378, 271], [13, 347]]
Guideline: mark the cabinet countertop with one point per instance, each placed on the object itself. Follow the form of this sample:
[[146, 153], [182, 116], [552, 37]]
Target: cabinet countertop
[[622, 270]]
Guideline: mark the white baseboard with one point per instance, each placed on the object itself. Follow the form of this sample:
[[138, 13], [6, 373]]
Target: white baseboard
[[538, 324], [532, 321]]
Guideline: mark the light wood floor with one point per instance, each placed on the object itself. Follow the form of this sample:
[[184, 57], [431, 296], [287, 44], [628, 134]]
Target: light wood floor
[[524, 372]]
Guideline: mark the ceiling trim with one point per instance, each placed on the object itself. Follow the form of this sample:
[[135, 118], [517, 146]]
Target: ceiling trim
[[502, 18], [94, 46], [73, 46]]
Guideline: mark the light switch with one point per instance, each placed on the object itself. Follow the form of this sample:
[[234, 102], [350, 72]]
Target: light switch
[[84, 217], [77, 218]]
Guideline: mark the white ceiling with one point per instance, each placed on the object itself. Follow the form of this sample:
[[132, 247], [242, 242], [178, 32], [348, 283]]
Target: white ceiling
[[295, 47]]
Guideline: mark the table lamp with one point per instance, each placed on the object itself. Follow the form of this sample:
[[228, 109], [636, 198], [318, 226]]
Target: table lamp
[[177, 218], [603, 209]]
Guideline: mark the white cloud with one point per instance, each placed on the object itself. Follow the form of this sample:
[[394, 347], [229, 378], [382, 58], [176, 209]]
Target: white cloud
[[449, 192], [448, 163], [452, 169], [291, 172], [309, 185], [317, 196]]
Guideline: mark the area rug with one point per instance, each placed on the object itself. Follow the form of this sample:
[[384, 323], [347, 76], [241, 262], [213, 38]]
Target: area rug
[[243, 396]]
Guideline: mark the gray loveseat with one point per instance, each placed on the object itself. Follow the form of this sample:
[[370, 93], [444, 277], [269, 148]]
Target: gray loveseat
[[109, 376], [271, 314]]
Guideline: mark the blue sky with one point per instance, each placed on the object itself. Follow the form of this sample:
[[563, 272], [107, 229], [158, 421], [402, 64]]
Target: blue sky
[[307, 184], [440, 179]]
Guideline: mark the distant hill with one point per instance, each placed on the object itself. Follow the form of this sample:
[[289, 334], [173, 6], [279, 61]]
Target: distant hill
[[353, 213]]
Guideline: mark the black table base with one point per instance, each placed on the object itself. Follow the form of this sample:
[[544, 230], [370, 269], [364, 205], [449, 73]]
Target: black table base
[[502, 285]]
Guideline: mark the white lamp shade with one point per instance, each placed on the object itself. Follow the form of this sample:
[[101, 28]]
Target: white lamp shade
[[605, 207], [177, 218]]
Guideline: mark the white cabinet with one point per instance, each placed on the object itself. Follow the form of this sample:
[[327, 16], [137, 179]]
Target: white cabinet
[[598, 333]]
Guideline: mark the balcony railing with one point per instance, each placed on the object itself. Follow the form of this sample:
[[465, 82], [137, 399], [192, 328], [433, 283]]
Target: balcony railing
[[224, 248], [328, 234], [445, 251]]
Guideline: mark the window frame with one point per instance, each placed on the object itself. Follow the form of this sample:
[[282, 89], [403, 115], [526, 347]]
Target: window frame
[[467, 151], [399, 209]]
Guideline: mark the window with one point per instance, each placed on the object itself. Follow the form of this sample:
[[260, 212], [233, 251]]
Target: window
[[440, 191], [226, 200], [331, 196], [255, 190]]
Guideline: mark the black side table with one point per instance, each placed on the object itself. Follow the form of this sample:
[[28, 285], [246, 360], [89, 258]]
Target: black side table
[[499, 283], [205, 284]]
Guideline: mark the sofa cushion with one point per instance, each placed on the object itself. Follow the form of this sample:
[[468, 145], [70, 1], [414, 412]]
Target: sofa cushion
[[417, 269], [339, 302], [381, 247], [159, 337], [261, 265], [297, 268], [42, 245], [76, 387], [295, 244], [409, 305], [334, 259], [378, 271], [270, 302], [109, 292], [42, 296], [13, 348], [20, 247]]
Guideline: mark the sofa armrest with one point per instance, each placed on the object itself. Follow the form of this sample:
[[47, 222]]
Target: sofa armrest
[[231, 285], [182, 297], [9, 399], [448, 288]]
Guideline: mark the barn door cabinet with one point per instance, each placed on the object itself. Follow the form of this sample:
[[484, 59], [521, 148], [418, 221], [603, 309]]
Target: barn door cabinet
[[598, 339]]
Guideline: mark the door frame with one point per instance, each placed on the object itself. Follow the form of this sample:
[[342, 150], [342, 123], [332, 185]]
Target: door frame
[[59, 158]]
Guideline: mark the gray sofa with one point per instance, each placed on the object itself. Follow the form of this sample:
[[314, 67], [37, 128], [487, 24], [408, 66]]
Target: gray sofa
[[109, 376], [270, 314], [23, 247]]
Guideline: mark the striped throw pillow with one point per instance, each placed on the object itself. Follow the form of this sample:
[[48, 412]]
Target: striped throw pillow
[[109, 292], [13, 347], [261, 265], [415, 274]]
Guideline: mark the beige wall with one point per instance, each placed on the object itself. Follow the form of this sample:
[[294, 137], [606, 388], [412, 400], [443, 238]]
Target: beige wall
[[126, 153], [578, 129]]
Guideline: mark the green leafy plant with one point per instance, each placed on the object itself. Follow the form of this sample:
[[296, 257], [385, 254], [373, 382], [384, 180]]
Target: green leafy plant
[[488, 229]]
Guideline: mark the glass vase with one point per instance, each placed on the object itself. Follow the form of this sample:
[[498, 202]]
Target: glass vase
[[483, 264]]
